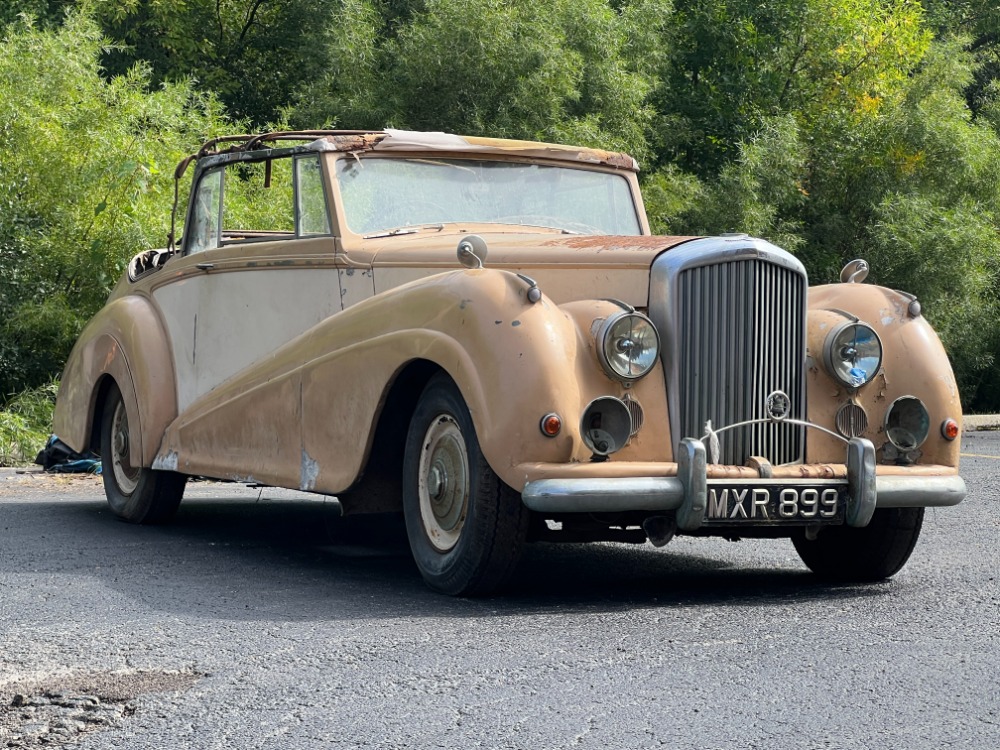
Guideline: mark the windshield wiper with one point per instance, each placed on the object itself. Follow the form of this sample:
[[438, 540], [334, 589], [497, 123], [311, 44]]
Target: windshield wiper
[[402, 230]]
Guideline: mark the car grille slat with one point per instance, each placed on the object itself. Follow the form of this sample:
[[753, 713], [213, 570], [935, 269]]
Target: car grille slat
[[740, 332]]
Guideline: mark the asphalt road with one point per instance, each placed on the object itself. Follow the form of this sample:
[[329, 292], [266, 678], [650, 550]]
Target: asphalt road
[[260, 619]]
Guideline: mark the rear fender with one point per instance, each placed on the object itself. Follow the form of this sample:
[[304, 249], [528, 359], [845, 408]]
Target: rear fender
[[126, 342]]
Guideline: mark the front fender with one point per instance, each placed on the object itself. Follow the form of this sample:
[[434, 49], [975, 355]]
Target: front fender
[[124, 341], [512, 360], [914, 364]]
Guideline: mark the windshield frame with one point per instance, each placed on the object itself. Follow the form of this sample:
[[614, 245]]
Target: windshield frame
[[631, 184]]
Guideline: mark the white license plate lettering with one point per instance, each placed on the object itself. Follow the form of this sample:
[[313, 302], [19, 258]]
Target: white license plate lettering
[[788, 504], [802, 504], [828, 501]]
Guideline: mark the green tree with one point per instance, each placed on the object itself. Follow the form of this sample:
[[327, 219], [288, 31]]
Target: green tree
[[46, 11], [85, 182], [568, 71], [735, 63], [249, 53]]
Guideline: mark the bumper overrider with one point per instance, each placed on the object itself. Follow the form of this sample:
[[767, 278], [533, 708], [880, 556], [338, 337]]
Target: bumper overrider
[[700, 495]]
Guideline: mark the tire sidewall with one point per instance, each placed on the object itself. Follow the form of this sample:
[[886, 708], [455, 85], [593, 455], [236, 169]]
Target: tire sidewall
[[444, 571], [157, 493], [122, 504]]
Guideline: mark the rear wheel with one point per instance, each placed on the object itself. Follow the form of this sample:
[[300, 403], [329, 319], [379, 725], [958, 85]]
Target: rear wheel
[[872, 553], [135, 494], [465, 526]]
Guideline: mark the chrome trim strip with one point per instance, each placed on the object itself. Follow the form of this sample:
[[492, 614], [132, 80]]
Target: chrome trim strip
[[693, 473], [667, 493], [919, 492], [861, 479], [603, 495]]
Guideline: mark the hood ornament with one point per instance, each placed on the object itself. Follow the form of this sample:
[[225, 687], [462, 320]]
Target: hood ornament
[[778, 406]]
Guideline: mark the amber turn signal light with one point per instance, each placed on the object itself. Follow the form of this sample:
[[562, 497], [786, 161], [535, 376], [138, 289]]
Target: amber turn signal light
[[949, 428], [551, 425]]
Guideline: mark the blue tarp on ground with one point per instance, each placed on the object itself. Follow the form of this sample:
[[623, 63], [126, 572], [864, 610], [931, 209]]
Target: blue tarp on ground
[[59, 458]]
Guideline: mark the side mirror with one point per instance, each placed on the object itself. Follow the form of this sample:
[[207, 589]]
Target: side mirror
[[854, 272], [472, 251]]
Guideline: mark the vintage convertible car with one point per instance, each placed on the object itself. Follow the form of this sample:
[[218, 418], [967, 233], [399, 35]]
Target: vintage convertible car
[[484, 335]]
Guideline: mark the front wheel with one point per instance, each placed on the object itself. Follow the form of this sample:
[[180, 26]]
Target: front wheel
[[466, 527], [135, 494], [862, 555]]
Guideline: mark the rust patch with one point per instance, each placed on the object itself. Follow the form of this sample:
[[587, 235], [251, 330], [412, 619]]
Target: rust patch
[[811, 471], [618, 159], [610, 242], [355, 142], [722, 471]]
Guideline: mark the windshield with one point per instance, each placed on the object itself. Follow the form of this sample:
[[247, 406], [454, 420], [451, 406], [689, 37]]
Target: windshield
[[380, 194]]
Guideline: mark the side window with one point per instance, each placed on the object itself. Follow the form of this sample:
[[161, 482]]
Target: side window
[[259, 204], [207, 218], [311, 215]]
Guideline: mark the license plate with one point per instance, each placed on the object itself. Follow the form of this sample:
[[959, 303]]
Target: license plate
[[775, 502]]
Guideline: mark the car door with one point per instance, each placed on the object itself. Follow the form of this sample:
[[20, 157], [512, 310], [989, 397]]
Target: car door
[[255, 273]]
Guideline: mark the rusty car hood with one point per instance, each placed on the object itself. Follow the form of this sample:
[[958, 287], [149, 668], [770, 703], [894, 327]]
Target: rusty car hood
[[521, 249], [567, 267]]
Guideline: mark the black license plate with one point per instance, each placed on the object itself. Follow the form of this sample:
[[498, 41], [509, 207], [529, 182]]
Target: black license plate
[[775, 501]]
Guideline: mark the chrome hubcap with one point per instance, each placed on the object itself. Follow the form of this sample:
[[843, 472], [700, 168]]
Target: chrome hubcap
[[126, 475], [443, 483]]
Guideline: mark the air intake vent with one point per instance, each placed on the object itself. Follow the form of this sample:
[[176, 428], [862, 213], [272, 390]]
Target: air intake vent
[[851, 420], [635, 410]]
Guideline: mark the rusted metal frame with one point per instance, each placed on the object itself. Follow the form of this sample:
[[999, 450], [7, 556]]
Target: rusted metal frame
[[209, 161], [252, 140]]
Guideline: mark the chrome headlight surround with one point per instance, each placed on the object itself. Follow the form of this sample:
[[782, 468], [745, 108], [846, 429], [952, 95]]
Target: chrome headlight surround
[[628, 346], [844, 350]]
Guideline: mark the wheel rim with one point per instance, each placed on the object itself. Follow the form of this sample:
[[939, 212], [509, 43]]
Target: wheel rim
[[443, 483], [126, 475]]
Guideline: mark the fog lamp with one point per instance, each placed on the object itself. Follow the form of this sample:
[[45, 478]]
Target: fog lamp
[[606, 425], [907, 423]]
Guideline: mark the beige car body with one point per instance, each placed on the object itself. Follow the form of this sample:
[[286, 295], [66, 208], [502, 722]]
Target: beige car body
[[296, 362]]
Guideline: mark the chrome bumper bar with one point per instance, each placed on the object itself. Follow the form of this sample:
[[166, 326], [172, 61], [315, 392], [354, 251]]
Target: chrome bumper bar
[[687, 492]]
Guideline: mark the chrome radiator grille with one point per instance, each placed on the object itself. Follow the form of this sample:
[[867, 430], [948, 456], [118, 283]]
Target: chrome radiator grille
[[739, 337]]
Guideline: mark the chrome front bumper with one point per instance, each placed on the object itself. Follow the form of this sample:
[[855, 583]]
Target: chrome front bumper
[[687, 492]]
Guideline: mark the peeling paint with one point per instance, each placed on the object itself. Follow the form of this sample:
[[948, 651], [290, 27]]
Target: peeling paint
[[880, 396], [167, 462], [308, 474]]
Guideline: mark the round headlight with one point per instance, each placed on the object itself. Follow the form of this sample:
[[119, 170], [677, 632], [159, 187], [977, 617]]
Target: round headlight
[[628, 345], [853, 354]]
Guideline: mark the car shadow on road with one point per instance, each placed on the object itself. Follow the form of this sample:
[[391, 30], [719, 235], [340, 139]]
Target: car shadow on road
[[300, 560]]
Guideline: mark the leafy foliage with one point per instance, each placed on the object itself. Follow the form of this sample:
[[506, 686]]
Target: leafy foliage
[[25, 424], [835, 128], [249, 53], [567, 70], [85, 183]]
